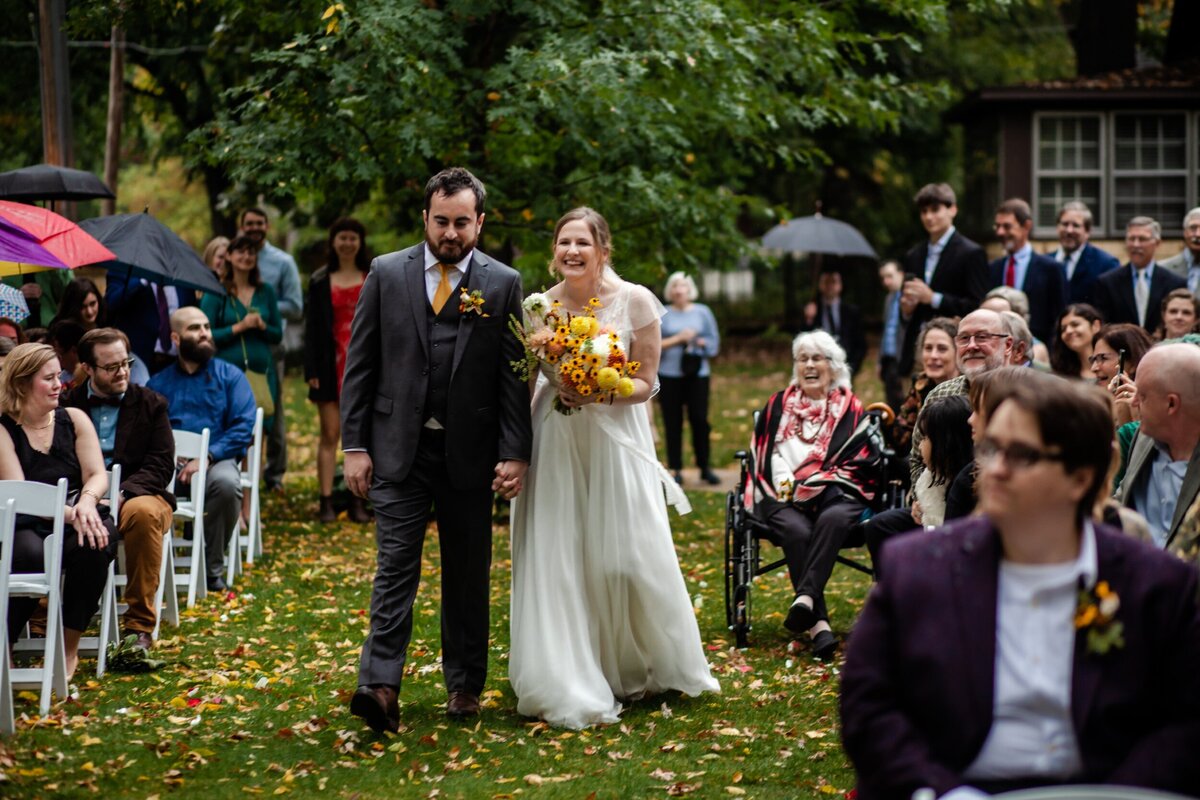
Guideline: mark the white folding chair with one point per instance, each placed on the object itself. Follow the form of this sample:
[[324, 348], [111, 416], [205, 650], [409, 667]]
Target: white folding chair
[[8, 515], [251, 543], [188, 559], [108, 601], [41, 500]]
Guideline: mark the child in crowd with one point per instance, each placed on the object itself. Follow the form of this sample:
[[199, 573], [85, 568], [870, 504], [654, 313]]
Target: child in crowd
[[946, 448]]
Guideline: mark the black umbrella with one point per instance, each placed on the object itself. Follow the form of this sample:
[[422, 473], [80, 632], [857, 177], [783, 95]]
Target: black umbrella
[[818, 234], [50, 182], [146, 248]]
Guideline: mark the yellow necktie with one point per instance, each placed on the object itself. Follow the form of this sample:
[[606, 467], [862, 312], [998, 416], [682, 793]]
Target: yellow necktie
[[442, 293]]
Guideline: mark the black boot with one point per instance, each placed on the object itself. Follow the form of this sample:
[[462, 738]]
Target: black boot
[[358, 510], [326, 512]]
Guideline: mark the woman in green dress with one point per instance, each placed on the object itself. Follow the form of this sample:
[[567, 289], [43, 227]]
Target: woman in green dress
[[246, 322]]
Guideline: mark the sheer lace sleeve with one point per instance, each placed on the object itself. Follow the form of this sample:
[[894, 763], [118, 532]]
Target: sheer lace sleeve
[[644, 308]]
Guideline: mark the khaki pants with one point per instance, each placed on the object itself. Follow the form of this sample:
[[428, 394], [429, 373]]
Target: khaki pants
[[143, 522]]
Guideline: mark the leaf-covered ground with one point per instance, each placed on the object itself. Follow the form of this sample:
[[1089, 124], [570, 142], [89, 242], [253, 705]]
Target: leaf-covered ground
[[254, 697]]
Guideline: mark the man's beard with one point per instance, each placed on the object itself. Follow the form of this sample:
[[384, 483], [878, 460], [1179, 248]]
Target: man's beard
[[196, 352], [450, 252]]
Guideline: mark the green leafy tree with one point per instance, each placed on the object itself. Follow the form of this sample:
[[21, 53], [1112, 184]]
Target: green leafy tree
[[659, 114]]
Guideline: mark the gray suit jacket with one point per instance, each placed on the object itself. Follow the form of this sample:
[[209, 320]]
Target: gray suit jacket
[[387, 363], [1141, 456], [1177, 264]]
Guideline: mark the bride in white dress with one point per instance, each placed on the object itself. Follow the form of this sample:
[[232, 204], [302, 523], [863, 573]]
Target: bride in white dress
[[600, 613]]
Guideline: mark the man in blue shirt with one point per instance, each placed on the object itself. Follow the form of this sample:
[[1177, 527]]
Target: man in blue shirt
[[278, 269], [203, 392]]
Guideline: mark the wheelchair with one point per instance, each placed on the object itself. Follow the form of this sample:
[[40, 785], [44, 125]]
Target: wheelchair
[[744, 532]]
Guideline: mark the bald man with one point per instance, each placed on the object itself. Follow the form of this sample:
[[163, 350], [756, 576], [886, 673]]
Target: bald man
[[1163, 478], [203, 392]]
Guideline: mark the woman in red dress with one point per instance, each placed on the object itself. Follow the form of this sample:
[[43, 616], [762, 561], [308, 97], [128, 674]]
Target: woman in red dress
[[332, 296]]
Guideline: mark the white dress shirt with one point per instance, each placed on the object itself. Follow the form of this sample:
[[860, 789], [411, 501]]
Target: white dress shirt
[[931, 262], [1069, 262], [1020, 266], [433, 274], [1032, 732]]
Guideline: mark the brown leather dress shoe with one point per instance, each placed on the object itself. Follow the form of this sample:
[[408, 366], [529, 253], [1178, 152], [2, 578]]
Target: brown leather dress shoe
[[378, 708], [462, 705]]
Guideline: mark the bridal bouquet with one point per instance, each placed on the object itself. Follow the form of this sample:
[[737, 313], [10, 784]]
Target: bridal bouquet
[[586, 356]]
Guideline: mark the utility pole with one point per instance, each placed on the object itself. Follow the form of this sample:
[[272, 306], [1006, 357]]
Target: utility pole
[[116, 103], [56, 85]]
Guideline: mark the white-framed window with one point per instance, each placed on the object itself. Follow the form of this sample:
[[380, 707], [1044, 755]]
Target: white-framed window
[[1122, 164], [1068, 164]]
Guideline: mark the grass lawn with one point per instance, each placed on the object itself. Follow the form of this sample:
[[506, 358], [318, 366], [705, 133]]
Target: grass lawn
[[253, 700]]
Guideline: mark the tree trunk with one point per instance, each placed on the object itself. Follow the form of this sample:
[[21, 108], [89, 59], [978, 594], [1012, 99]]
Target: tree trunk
[[116, 106], [1104, 35], [1181, 38]]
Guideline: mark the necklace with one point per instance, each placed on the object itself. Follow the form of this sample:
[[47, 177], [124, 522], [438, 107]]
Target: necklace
[[38, 427]]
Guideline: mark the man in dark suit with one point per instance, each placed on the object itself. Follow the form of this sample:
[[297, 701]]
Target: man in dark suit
[[946, 275], [840, 320], [142, 310], [135, 432], [1040, 277], [433, 415], [1083, 263], [892, 277], [1027, 646], [1134, 293]]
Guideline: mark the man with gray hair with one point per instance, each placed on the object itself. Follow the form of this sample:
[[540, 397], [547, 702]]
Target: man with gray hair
[[1187, 263], [1134, 293], [1082, 261], [1163, 478]]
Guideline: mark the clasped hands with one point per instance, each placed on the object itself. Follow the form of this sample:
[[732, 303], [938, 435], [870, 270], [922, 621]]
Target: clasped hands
[[915, 293], [253, 320]]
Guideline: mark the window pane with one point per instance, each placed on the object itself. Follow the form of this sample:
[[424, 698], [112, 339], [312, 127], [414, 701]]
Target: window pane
[[1069, 143], [1150, 142], [1163, 198], [1053, 192]]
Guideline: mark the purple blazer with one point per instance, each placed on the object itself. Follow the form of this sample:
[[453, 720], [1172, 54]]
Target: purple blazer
[[917, 688]]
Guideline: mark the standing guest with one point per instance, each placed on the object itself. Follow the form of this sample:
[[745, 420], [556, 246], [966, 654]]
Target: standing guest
[[215, 254], [1163, 476], [806, 486], [83, 304], [332, 297], [1071, 349], [246, 321], [43, 292], [203, 392], [936, 347], [1187, 263], [946, 275], [840, 320], [39, 441], [278, 270], [1066, 651], [892, 277], [1134, 293], [142, 310], [689, 340], [423, 427], [1083, 263], [134, 431], [1180, 311], [1040, 277]]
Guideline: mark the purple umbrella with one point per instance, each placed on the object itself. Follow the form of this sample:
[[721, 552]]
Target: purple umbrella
[[18, 248]]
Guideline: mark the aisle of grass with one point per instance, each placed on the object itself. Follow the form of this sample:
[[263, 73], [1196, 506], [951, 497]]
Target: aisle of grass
[[253, 700]]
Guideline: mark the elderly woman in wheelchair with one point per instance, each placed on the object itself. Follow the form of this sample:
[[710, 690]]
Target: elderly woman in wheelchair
[[812, 477]]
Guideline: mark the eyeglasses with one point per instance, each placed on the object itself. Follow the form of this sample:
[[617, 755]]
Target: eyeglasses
[[965, 339], [815, 358], [116, 367], [1101, 358], [1016, 455]]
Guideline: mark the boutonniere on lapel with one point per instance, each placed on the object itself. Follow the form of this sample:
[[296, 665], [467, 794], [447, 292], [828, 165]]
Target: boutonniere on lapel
[[471, 302], [1096, 613]]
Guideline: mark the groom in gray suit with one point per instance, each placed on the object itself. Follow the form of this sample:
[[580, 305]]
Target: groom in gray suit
[[433, 417]]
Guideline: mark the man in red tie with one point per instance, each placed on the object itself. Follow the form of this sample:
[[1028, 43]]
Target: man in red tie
[[1040, 277]]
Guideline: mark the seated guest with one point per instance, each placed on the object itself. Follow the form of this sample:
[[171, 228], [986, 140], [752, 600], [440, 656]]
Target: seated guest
[[203, 392], [935, 351], [41, 442], [6, 347], [135, 432], [1022, 339], [1030, 645], [946, 449], [83, 304], [807, 497], [1112, 346], [11, 330], [1180, 312], [1071, 350], [1163, 477], [64, 336], [1006, 298]]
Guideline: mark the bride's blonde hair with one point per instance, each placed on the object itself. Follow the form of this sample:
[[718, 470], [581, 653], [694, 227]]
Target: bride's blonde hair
[[596, 223]]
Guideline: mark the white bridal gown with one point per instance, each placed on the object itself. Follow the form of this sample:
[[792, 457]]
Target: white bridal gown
[[600, 613]]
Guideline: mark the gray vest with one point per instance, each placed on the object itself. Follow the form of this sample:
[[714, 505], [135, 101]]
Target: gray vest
[[443, 334]]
